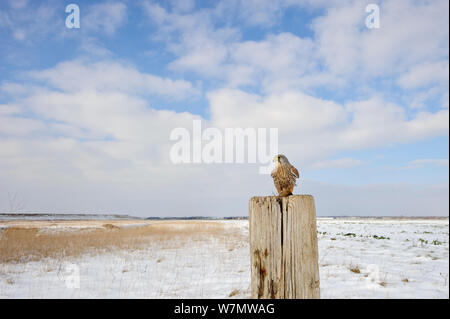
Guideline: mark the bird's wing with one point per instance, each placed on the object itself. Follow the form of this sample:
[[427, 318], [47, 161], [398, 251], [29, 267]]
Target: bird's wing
[[274, 172], [294, 171]]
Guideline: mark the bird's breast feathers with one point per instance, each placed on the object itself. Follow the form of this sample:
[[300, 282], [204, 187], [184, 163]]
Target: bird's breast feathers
[[294, 171]]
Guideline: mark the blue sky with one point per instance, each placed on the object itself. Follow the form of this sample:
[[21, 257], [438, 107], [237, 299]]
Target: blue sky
[[86, 114]]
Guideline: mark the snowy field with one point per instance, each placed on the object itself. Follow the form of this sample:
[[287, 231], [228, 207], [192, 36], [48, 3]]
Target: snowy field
[[358, 258]]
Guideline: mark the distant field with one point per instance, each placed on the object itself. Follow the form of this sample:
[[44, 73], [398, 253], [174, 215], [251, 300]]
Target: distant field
[[358, 258], [23, 241]]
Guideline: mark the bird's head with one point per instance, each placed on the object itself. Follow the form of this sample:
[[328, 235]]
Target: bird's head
[[280, 159]]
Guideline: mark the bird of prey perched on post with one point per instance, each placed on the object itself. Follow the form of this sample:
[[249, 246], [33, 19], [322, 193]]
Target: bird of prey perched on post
[[284, 176]]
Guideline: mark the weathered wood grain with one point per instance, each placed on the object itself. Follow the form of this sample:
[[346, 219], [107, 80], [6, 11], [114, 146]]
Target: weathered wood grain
[[283, 247]]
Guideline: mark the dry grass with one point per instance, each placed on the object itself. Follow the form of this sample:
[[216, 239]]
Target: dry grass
[[234, 293], [355, 269], [32, 244], [110, 226]]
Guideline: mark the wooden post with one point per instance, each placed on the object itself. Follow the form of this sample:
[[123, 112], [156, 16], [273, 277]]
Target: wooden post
[[283, 247]]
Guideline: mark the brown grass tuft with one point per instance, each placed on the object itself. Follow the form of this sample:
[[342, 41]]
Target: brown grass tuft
[[355, 269], [234, 293]]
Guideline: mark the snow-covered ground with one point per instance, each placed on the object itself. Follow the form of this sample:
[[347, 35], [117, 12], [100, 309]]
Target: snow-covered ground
[[358, 258], [389, 258]]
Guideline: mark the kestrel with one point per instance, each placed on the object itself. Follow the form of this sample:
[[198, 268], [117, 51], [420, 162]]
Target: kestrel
[[284, 176]]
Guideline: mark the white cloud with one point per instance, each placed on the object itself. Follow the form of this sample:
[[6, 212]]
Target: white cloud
[[192, 37], [425, 74], [9, 109], [262, 13], [338, 39], [376, 123], [17, 126], [92, 125], [182, 5], [205, 56], [19, 34], [78, 75], [290, 111], [421, 98], [91, 47], [30, 22], [343, 53], [104, 17], [316, 128], [102, 141], [349, 47], [33, 22], [277, 63], [445, 100], [338, 163], [18, 4], [429, 161]]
